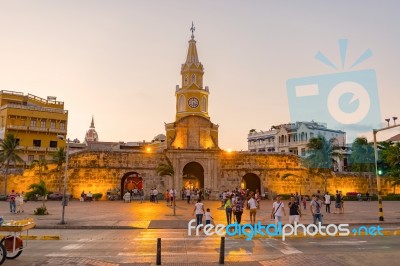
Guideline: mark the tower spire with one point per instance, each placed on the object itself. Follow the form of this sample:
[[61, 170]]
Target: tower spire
[[92, 123], [192, 57]]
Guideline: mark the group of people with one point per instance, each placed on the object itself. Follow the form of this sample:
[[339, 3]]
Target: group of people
[[16, 202], [169, 196], [86, 196]]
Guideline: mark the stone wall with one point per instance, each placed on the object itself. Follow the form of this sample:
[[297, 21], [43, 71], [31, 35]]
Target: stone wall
[[100, 172]]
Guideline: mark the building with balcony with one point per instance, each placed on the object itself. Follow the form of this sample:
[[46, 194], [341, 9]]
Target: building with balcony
[[294, 137], [35, 122]]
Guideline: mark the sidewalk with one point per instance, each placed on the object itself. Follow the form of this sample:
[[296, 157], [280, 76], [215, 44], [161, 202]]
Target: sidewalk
[[119, 215]]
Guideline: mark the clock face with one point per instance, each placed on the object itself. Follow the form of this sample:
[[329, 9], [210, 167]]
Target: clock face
[[193, 102]]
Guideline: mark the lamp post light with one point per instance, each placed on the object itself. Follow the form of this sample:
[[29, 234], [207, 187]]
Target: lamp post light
[[64, 199], [378, 178]]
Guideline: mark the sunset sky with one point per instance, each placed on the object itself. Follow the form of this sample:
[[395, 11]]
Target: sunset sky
[[120, 60]]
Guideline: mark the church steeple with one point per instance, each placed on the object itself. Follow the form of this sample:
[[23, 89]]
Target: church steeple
[[92, 123], [191, 97]]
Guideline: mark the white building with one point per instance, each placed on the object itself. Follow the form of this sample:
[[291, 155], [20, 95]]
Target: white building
[[293, 138]]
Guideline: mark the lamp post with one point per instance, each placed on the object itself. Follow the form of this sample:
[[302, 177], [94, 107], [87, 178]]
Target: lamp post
[[378, 178], [64, 199]]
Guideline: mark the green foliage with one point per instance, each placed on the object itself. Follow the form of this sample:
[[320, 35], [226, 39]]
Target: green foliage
[[97, 196], [284, 196], [322, 153], [165, 168], [362, 158], [41, 211], [38, 189], [9, 155]]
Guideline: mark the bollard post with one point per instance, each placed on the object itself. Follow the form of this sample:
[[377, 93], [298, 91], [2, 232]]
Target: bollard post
[[158, 262], [222, 251]]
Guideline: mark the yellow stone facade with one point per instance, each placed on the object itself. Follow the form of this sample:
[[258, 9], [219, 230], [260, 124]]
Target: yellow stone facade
[[35, 122]]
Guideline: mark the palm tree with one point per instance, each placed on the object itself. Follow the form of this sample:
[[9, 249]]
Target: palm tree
[[59, 158], [41, 165], [393, 176], [322, 154], [362, 156], [167, 169], [392, 155], [9, 155], [39, 189]]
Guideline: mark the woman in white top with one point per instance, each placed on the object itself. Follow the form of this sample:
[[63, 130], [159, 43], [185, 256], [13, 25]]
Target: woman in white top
[[19, 200], [199, 211]]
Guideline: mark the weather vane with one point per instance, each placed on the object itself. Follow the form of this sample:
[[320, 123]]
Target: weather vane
[[192, 29]]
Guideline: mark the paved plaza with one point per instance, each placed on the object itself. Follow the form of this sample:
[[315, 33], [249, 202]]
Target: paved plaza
[[117, 214]]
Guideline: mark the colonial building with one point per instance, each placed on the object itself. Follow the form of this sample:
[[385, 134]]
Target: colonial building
[[292, 137], [35, 122]]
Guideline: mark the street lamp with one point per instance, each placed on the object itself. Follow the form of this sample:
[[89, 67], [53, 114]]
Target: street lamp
[[378, 178], [64, 199]]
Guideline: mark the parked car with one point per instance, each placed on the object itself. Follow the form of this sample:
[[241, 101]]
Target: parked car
[[57, 196]]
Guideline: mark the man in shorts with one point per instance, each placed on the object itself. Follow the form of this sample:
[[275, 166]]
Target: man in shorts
[[252, 203], [278, 208]]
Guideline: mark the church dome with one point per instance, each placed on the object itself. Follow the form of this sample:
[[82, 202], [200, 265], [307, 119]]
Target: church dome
[[91, 134]]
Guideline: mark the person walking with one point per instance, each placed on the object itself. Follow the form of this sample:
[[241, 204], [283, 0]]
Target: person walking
[[338, 201], [141, 194], [199, 212], [327, 202], [208, 216], [166, 196], [228, 210], [19, 200], [294, 211], [278, 208], [315, 207], [252, 205], [12, 196], [239, 208]]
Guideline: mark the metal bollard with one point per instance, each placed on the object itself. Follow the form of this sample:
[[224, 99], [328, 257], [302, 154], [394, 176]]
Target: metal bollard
[[158, 262], [222, 251]]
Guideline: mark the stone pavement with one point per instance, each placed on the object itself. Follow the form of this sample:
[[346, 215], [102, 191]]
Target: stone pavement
[[119, 215]]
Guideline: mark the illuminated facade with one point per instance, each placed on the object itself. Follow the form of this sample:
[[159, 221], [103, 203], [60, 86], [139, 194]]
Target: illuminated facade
[[35, 122]]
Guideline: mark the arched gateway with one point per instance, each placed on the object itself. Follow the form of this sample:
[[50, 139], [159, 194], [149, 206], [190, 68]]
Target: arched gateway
[[252, 182], [193, 176], [131, 181]]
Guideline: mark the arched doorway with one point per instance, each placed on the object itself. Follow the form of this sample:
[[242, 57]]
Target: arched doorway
[[251, 181], [193, 176], [130, 181]]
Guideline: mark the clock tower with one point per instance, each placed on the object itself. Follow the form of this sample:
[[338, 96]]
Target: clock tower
[[192, 97], [192, 128]]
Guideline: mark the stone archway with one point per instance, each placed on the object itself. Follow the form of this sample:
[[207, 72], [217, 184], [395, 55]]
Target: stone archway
[[252, 182], [193, 176], [131, 181]]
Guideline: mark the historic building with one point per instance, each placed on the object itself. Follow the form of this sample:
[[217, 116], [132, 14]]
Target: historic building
[[191, 144], [35, 122]]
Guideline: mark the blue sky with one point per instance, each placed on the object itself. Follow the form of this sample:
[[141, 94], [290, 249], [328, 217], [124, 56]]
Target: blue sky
[[120, 60]]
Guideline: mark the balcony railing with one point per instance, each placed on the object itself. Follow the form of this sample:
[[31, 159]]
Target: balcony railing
[[34, 108], [51, 149], [41, 129], [33, 148], [58, 130], [17, 127]]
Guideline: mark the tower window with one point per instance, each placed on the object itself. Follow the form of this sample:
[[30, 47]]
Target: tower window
[[193, 78], [182, 103], [186, 80], [204, 104]]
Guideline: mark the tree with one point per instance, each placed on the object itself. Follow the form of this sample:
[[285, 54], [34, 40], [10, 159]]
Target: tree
[[41, 165], [59, 158], [321, 156], [393, 177], [39, 189], [362, 157], [391, 155], [9, 155]]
